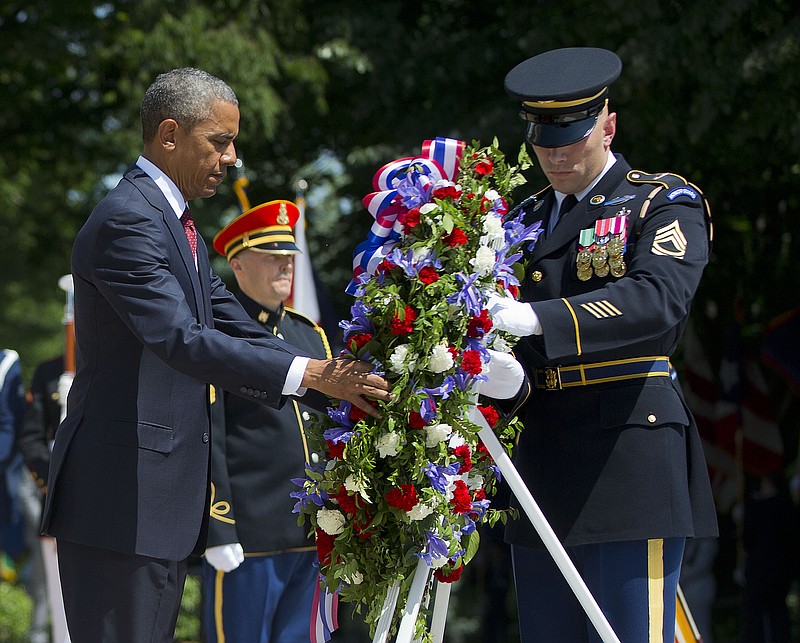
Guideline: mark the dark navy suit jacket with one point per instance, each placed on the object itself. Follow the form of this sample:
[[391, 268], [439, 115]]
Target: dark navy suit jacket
[[130, 465]]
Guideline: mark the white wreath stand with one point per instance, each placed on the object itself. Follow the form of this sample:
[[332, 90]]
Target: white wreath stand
[[405, 632]]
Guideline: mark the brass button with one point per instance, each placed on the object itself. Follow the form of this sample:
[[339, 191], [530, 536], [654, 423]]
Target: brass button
[[536, 276], [651, 418]]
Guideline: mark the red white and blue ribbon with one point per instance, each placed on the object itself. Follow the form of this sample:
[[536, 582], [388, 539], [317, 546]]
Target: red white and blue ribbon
[[324, 615], [438, 161]]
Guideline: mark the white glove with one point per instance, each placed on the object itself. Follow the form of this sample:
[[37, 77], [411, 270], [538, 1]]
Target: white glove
[[513, 316], [505, 376], [225, 558], [64, 385]]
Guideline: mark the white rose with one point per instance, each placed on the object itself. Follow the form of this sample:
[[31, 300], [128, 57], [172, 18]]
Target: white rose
[[438, 561], [484, 260], [397, 360], [437, 433], [456, 440], [473, 482], [330, 521], [428, 208], [440, 359], [354, 485], [356, 578], [495, 235], [388, 444], [501, 345], [420, 253], [492, 195], [419, 511]]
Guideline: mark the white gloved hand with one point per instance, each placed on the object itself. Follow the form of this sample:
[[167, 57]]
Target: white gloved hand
[[513, 316], [64, 385], [225, 558], [505, 376]]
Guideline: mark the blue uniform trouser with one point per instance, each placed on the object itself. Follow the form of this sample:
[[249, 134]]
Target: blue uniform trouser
[[634, 583], [267, 599]]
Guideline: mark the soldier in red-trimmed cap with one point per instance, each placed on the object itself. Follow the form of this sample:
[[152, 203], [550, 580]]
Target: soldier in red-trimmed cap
[[259, 571]]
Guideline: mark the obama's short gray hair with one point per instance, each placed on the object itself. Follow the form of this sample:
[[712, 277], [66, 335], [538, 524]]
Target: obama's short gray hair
[[185, 95]]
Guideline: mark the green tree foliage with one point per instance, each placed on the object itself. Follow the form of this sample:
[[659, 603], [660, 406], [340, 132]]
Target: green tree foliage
[[331, 90]]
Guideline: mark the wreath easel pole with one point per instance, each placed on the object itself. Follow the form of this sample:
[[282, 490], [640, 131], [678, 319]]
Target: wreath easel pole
[[543, 528]]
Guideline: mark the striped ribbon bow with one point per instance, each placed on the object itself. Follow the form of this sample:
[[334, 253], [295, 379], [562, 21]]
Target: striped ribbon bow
[[400, 186], [324, 615]]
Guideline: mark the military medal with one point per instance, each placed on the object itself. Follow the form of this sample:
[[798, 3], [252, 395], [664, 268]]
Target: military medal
[[616, 246], [584, 259], [602, 230]]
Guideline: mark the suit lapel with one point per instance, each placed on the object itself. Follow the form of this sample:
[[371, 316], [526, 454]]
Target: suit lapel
[[158, 201]]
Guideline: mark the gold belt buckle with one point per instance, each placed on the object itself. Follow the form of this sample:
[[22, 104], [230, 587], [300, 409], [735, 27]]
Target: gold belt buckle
[[552, 378]]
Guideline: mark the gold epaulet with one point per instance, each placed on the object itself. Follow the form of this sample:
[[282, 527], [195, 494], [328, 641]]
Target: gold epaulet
[[667, 179]]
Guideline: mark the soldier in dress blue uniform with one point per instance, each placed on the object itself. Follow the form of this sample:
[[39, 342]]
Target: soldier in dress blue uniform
[[610, 450], [259, 573]]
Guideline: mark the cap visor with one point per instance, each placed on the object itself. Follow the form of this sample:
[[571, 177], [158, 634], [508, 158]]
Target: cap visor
[[559, 134]]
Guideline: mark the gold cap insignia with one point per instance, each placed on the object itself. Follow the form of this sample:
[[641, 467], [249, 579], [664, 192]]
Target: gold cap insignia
[[283, 217]]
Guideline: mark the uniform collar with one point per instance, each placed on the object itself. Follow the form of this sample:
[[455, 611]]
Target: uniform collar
[[260, 313]]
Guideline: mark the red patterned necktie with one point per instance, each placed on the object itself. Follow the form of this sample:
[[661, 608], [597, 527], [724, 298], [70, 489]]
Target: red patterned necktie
[[191, 233]]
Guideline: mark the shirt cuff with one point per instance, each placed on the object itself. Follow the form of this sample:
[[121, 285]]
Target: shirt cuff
[[294, 377]]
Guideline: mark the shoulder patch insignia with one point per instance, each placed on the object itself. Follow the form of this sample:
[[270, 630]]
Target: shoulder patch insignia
[[674, 194], [669, 241]]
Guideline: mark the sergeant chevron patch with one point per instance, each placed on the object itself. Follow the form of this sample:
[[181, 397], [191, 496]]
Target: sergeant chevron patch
[[670, 241], [601, 309]]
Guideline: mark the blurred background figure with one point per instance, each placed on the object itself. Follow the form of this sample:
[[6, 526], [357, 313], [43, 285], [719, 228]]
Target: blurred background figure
[[259, 572], [47, 404], [698, 582], [12, 406], [770, 536]]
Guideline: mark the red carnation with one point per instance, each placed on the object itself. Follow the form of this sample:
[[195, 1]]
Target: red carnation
[[405, 325], [462, 501], [446, 192], [411, 220], [335, 449], [448, 577], [480, 494], [478, 326], [404, 497], [358, 341], [428, 275], [484, 167], [463, 453], [386, 266], [362, 529], [514, 290], [415, 420], [346, 501], [324, 546], [490, 415], [471, 362], [356, 414], [455, 238]]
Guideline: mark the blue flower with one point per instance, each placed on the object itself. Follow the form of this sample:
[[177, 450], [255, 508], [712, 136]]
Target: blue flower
[[435, 546], [469, 295], [440, 475], [310, 492]]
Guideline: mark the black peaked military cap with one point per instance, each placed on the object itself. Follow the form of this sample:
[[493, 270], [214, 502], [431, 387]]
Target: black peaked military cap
[[562, 92]]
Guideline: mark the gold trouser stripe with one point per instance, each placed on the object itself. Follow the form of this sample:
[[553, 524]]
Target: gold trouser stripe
[[218, 606], [574, 321], [655, 589]]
